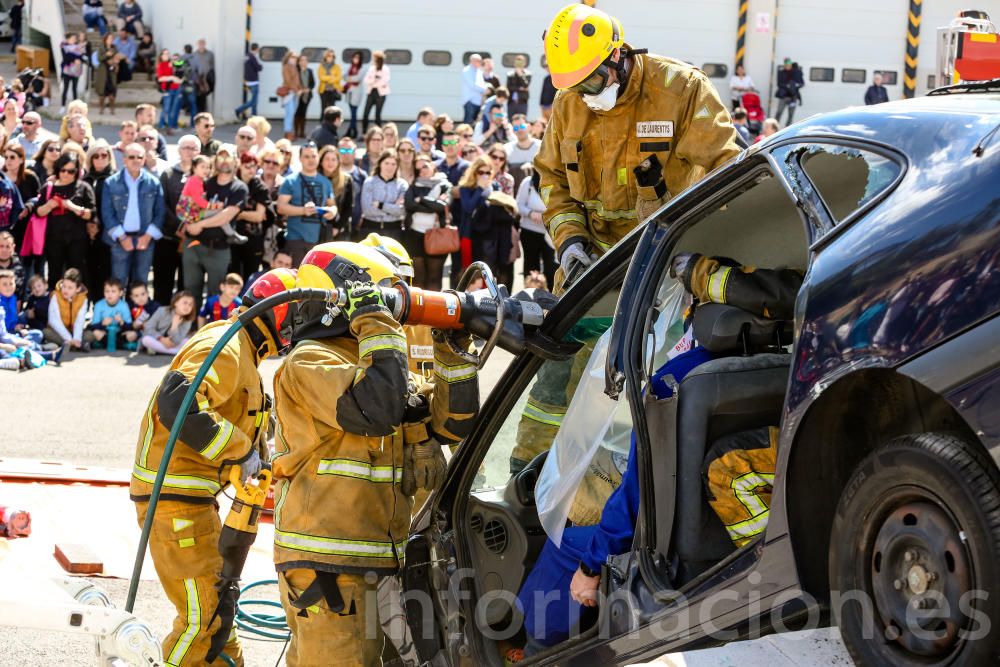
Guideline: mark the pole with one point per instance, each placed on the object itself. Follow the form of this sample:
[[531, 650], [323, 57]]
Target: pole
[[912, 48]]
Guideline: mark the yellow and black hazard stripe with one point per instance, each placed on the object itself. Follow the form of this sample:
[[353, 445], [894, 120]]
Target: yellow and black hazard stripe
[[246, 32], [741, 33], [912, 48]]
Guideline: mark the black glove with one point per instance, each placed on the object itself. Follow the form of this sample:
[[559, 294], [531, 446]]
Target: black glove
[[362, 299], [229, 595]]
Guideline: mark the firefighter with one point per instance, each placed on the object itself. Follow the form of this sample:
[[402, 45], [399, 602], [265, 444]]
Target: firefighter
[[628, 131], [226, 426], [341, 514]]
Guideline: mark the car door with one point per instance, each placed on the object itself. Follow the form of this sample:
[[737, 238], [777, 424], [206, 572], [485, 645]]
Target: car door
[[473, 543]]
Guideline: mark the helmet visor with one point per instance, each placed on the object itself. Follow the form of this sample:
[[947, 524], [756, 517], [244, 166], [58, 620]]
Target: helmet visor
[[595, 83]]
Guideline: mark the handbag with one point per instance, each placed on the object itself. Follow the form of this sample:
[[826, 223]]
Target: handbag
[[34, 233], [441, 240], [283, 91]]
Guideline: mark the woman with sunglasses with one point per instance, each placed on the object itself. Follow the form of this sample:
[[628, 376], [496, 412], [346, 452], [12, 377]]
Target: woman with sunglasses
[[343, 191], [26, 181], [491, 220], [503, 180], [100, 165], [426, 208], [69, 204], [284, 148], [46, 158], [407, 154], [247, 258], [474, 188], [270, 176]]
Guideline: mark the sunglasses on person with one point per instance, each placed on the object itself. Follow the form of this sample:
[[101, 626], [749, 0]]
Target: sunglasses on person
[[501, 158], [484, 172], [345, 151], [101, 156], [406, 150], [29, 122], [285, 151], [147, 140], [245, 136], [68, 170], [466, 136], [134, 157], [425, 137], [52, 149], [520, 126], [449, 142], [271, 162]]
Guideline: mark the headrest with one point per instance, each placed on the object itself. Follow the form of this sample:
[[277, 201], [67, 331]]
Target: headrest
[[721, 328]]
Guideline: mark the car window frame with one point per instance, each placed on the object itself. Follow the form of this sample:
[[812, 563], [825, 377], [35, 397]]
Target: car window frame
[[781, 151]]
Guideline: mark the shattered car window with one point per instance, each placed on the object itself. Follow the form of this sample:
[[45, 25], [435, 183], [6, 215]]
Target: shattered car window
[[846, 178]]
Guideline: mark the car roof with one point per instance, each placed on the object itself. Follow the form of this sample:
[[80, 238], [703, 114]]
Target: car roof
[[918, 127]]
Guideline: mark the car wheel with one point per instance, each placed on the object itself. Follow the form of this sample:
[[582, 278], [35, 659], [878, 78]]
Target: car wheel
[[915, 555]]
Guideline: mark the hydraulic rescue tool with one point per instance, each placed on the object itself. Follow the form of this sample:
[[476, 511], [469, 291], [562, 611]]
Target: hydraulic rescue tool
[[238, 534]]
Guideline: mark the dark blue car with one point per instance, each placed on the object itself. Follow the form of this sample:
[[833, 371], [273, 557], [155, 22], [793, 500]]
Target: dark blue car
[[885, 515]]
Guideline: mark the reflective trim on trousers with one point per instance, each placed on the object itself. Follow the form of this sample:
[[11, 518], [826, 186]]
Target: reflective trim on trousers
[[744, 487], [337, 547], [187, 482], [193, 615], [535, 413], [359, 470]]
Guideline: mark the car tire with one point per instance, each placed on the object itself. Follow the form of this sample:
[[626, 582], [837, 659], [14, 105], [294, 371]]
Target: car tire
[[915, 555]]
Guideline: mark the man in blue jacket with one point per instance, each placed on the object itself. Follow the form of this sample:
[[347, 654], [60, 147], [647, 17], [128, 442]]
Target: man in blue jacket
[[132, 212]]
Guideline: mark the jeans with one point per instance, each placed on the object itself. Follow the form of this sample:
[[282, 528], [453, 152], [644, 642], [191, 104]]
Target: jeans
[[290, 104], [251, 103], [376, 101], [790, 104], [353, 131], [184, 98], [96, 21], [200, 260], [170, 102], [471, 111], [15, 39], [69, 82], [127, 266]]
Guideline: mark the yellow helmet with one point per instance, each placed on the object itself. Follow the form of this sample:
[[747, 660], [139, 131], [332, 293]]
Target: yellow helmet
[[329, 266], [392, 250], [578, 42]]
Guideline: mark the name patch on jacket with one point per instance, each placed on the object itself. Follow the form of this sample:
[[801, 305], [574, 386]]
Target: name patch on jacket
[[654, 128], [422, 351]]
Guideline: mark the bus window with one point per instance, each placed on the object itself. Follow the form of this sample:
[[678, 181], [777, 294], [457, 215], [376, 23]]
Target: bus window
[[888, 77], [508, 59], [715, 70], [345, 56], [272, 54], [849, 75], [465, 56], [821, 74], [437, 58], [932, 81], [313, 53], [398, 57]]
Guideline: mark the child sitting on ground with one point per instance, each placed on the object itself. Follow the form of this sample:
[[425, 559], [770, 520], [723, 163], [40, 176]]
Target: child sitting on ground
[[19, 349], [170, 327], [192, 205], [68, 312], [141, 308], [111, 317], [8, 299], [35, 314], [219, 307]]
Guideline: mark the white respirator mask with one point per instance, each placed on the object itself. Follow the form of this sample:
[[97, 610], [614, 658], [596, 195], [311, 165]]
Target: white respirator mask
[[605, 100]]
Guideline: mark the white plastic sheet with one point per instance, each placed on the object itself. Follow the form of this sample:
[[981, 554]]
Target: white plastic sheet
[[594, 420]]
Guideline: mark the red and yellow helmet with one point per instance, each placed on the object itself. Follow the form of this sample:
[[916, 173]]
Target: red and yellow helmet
[[578, 42], [278, 320], [330, 266]]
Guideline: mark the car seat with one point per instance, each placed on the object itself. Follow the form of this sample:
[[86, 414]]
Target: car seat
[[726, 395]]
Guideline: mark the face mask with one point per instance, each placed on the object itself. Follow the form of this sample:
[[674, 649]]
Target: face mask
[[605, 101]]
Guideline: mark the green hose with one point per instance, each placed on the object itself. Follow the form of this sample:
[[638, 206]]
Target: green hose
[[250, 314]]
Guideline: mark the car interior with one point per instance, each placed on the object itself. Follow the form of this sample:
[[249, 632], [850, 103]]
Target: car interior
[[756, 224]]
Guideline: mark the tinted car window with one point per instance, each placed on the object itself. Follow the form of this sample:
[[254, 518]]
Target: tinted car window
[[846, 178]]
